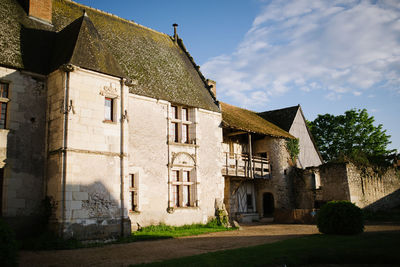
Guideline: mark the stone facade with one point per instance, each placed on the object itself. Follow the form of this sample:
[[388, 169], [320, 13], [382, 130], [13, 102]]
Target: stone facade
[[154, 156], [249, 199], [90, 161]]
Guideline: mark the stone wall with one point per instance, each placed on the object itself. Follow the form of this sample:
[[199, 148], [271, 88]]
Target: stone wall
[[23, 145], [374, 188], [279, 184], [367, 187]]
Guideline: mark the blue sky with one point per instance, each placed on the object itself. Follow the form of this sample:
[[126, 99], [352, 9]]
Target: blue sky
[[327, 56]]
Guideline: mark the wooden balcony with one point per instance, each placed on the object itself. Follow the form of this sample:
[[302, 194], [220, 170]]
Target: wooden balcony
[[241, 166]]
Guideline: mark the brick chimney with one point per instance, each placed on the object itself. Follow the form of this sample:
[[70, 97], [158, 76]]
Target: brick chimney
[[213, 87], [40, 9]]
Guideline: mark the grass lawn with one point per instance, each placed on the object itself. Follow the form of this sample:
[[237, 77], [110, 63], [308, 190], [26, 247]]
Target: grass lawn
[[372, 248], [163, 231], [48, 241]]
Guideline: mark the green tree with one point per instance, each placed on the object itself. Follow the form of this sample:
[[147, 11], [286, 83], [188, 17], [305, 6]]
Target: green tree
[[352, 135]]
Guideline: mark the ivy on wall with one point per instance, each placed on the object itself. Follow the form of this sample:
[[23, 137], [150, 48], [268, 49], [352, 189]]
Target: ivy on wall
[[293, 149]]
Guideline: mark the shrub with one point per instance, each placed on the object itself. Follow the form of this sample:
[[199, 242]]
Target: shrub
[[8, 245], [340, 217]]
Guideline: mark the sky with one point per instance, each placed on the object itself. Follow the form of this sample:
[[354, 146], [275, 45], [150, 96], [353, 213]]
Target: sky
[[327, 56]]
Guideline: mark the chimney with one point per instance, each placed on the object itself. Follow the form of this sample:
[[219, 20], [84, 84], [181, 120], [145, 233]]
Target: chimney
[[175, 34], [40, 9], [213, 87]]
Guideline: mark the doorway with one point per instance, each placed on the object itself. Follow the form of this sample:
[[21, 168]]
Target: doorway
[[268, 204]]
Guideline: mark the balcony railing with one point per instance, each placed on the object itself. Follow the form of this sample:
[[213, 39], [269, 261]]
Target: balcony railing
[[240, 165]]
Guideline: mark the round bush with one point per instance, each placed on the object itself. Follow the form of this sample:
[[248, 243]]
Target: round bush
[[8, 246], [340, 217]]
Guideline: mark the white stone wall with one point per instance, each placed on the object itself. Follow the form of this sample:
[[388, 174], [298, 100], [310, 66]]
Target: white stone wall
[[308, 155], [151, 155], [96, 155], [23, 143]]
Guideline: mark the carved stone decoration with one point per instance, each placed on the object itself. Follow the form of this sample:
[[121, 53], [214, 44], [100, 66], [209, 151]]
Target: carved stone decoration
[[183, 159], [170, 210], [38, 89], [110, 91]]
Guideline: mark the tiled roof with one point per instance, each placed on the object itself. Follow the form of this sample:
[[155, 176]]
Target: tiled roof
[[246, 120], [282, 117], [162, 67]]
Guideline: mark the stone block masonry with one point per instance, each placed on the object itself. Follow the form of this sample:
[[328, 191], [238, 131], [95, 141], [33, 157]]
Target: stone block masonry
[[368, 187]]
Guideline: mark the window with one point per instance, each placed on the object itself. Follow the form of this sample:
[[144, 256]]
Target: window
[[174, 132], [109, 109], [182, 186], [133, 192], [180, 125], [3, 104]]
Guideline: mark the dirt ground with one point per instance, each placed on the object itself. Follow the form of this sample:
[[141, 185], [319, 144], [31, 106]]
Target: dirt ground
[[149, 251]]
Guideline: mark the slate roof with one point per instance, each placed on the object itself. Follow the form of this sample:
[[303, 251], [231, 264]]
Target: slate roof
[[246, 120], [281, 117], [104, 43]]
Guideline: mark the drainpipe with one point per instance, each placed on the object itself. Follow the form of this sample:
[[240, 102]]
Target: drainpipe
[[67, 69], [122, 157]]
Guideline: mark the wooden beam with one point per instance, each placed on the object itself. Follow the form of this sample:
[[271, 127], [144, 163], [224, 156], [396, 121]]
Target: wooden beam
[[250, 157], [236, 133]]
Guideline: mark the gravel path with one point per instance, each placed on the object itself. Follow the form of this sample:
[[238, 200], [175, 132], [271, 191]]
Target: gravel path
[[149, 251]]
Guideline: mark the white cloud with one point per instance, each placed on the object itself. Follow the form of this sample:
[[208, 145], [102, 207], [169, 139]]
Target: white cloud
[[340, 46]]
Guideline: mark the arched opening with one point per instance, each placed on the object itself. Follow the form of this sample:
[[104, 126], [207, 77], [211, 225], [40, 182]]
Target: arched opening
[[268, 204]]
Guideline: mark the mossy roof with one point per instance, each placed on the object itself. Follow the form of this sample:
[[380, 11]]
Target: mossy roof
[[80, 44], [282, 117], [162, 67], [246, 120]]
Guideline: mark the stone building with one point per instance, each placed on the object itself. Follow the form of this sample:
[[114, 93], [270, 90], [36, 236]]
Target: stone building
[[292, 120], [256, 165], [111, 120]]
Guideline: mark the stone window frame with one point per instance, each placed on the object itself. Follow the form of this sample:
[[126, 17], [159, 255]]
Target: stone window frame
[[4, 100], [178, 185], [133, 192], [179, 126]]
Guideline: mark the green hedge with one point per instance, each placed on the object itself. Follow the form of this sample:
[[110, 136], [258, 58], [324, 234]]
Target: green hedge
[[340, 217]]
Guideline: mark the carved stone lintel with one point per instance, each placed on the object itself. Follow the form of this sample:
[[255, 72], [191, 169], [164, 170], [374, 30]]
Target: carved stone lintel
[[111, 91]]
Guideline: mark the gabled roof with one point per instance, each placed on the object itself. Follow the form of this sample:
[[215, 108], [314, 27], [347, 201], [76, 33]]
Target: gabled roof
[[246, 120], [80, 44], [282, 117], [162, 66]]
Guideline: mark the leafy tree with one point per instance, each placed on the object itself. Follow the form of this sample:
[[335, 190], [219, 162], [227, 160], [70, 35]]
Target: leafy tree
[[351, 135]]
